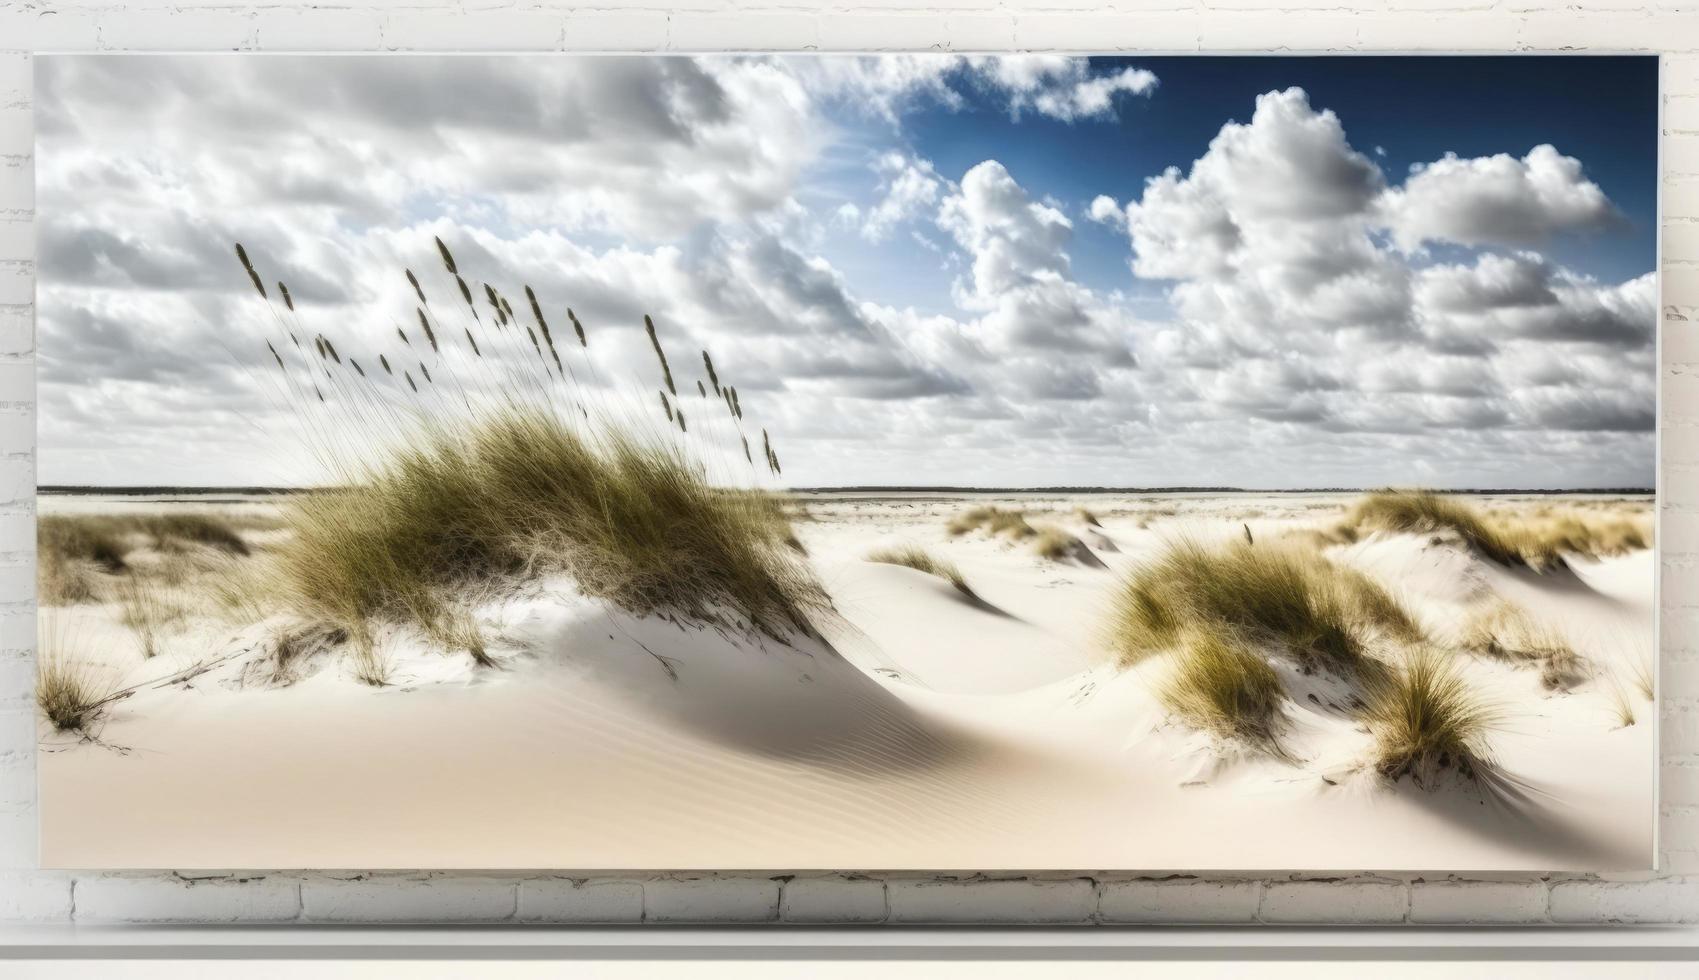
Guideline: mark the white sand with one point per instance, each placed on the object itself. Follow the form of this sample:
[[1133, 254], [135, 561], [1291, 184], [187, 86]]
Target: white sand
[[942, 734]]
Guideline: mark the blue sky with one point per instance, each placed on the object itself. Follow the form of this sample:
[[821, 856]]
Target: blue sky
[[997, 271], [1601, 110]]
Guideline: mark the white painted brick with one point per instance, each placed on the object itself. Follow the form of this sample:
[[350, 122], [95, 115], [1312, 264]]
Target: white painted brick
[[33, 29], [980, 32], [1679, 781], [35, 896], [568, 900], [17, 287], [17, 697], [1681, 194], [17, 629], [835, 898], [17, 429], [17, 530], [1608, 32], [733, 31], [1271, 30], [891, 31], [997, 900], [614, 30], [1176, 31], [17, 379], [18, 839], [17, 484], [163, 30], [1670, 900], [1476, 902], [711, 899], [1178, 901], [1334, 901], [137, 898], [408, 898], [17, 332], [512, 31], [17, 71], [318, 29]]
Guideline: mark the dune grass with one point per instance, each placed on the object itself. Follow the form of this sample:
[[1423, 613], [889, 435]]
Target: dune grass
[[1220, 685], [1622, 706], [1056, 544], [921, 560], [464, 470], [1539, 540], [1505, 630], [1644, 677], [145, 612], [994, 521], [1427, 720], [81, 556], [516, 493], [1085, 516], [1320, 613], [70, 692]]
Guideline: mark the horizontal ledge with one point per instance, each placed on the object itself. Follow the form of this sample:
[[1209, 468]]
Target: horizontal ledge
[[888, 942]]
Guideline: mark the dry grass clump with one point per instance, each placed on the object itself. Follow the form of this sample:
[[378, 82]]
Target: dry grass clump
[[995, 521], [1085, 516], [1223, 686], [1538, 541], [1505, 630], [1426, 720], [1641, 673], [1319, 612], [514, 493], [921, 560], [146, 612], [97, 540], [80, 555], [1622, 706], [71, 692], [1056, 544], [466, 469]]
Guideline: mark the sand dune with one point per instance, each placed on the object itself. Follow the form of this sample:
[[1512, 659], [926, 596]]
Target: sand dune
[[925, 729]]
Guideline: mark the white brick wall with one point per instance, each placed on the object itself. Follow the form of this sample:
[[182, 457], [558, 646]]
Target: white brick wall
[[1153, 26]]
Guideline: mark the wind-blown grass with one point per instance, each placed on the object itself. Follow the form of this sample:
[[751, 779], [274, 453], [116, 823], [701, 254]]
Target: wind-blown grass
[[921, 560], [81, 555], [1506, 631], [994, 520], [1320, 613], [464, 471], [1539, 541], [1221, 685], [145, 612], [70, 692], [1427, 720], [516, 493]]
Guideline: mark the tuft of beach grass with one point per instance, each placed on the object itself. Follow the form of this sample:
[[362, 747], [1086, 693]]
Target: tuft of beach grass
[[921, 560], [1220, 684], [1320, 613], [1426, 720]]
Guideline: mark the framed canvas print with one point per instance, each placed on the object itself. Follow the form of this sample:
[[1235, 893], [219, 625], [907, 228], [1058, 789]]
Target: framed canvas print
[[873, 462]]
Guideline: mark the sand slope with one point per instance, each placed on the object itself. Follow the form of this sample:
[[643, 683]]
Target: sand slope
[[924, 730]]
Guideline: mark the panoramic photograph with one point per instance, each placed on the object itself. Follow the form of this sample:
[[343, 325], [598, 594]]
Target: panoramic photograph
[[847, 462]]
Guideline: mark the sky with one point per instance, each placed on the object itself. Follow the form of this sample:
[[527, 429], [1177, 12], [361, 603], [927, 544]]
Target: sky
[[920, 269]]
